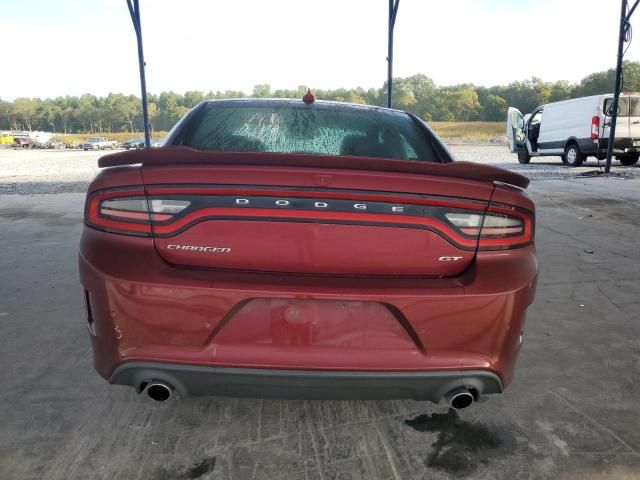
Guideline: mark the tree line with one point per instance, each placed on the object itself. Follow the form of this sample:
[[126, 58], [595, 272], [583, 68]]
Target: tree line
[[417, 94]]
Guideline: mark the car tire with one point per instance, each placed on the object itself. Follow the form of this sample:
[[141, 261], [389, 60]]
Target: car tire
[[629, 160], [524, 157], [573, 155]]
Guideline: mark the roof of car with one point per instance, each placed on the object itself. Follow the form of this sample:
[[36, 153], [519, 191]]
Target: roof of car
[[249, 101]]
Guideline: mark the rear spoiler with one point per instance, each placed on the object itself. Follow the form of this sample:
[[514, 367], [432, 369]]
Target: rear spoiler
[[183, 156]]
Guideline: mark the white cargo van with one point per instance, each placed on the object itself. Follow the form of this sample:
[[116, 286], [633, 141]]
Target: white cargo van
[[575, 129]]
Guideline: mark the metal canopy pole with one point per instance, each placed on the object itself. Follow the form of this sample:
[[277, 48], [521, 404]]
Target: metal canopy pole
[[134, 10], [393, 11], [624, 25]]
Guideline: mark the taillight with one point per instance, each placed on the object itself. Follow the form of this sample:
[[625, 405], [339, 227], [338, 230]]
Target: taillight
[[130, 212], [501, 227], [595, 127]]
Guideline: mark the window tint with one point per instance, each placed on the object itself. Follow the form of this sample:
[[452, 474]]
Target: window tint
[[323, 129]]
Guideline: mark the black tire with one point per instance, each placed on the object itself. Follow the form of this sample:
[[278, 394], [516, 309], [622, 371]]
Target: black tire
[[573, 155], [523, 156], [563, 157], [629, 160]]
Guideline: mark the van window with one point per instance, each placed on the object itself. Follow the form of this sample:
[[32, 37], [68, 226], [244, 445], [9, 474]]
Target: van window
[[537, 118], [635, 107], [517, 120], [623, 107]]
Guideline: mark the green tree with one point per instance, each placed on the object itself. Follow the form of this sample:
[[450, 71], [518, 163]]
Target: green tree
[[462, 102], [417, 94], [48, 113], [7, 114], [262, 90], [25, 109], [192, 98], [495, 108]]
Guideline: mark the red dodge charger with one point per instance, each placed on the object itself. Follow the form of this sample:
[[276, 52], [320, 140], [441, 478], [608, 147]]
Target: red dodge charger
[[306, 249]]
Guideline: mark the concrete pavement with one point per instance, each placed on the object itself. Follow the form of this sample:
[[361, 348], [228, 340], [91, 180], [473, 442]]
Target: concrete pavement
[[573, 411]]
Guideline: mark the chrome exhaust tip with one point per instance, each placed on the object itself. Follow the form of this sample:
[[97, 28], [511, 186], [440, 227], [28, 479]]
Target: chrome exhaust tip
[[158, 391], [459, 398]]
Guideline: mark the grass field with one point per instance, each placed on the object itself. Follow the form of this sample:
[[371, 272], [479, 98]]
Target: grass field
[[472, 131], [476, 131], [118, 136]]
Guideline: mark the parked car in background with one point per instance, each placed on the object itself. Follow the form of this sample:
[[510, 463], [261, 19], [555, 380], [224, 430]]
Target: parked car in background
[[133, 143], [576, 129], [99, 143], [302, 249], [22, 141], [55, 144], [138, 143]]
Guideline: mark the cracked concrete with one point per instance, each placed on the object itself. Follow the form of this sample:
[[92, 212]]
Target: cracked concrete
[[572, 412]]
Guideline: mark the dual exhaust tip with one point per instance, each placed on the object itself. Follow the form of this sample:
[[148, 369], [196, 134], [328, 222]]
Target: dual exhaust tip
[[460, 398], [158, 391], [161, 392]]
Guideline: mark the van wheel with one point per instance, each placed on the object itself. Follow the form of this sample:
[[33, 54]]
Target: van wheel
[[573, 155], [629, 160], [523, 156]]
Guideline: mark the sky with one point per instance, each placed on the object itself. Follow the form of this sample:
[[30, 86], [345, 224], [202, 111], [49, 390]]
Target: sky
[[71, 47]]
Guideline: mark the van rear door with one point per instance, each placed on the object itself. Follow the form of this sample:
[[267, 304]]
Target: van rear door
[[634, 118], [622, 121], [515, 130]]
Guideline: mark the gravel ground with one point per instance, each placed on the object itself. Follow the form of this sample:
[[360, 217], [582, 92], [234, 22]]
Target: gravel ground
[[59, 171]]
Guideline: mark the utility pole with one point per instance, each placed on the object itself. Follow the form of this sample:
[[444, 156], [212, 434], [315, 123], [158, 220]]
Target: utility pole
[[134, 10], [393, 11], [622, 37]]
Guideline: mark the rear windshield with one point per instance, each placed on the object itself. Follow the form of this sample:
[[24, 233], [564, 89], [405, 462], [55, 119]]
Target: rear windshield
[[310, 129], [627, 106]]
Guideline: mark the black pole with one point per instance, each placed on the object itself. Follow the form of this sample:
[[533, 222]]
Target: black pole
[[393, 11], [616, 86], [134, 10]]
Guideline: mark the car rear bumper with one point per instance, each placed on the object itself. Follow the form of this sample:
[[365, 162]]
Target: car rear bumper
[[300, 384], [412, 337]]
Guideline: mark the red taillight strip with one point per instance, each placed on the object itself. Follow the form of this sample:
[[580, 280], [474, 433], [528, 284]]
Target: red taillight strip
[[125, 214], [508, 242], [497, 231], [200, 215], [104, 223], [465, 238], [94, 218]]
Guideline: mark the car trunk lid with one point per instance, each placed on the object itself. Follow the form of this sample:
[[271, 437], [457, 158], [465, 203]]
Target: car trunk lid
[[304, 220]]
